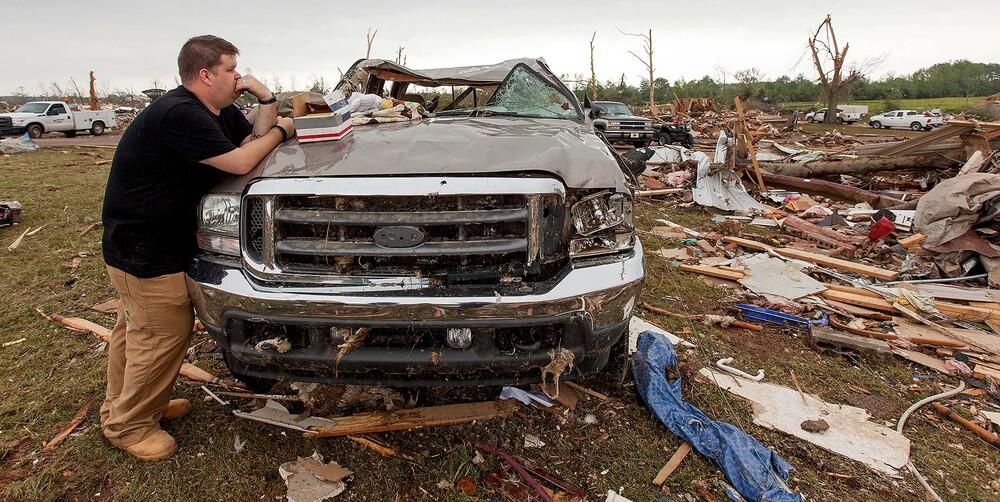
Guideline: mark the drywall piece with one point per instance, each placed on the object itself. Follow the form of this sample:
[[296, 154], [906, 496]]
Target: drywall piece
[[636, 326], [851, 434]]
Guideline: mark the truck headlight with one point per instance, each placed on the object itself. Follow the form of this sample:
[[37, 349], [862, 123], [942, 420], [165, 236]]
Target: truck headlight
[[219, 224], [19, 121], [603, 225]]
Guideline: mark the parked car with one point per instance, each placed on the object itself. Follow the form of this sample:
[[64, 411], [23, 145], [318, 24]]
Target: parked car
[[39, 117], [618, 124], [468, 248], [843, 117], [905, 118]]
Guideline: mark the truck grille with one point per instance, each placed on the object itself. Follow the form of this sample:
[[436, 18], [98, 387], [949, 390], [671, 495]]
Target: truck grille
[[6, 123], [633, 125], [466, 237]]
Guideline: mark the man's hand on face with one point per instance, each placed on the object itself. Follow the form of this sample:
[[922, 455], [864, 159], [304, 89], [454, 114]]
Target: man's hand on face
[[288, 125], [249, 83]]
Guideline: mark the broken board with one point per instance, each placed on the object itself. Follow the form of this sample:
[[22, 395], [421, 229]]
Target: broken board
[[400, 420]]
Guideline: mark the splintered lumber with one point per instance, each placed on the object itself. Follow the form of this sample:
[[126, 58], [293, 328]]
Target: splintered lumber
[[984, 434], [953, 310], [589, 392], [830, 189], [73, 424], [865, 301], [984, 372], [714, 272], [654, 193], [913, 243], [937, 342], [400, 420], [826, 261], [749, 143], [672, 464], [188, 370], [824, 236]]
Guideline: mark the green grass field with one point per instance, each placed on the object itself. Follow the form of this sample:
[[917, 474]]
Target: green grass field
[[46, 378], [951, 105]]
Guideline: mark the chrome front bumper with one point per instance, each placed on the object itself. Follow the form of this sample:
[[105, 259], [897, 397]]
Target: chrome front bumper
[[603, 294]]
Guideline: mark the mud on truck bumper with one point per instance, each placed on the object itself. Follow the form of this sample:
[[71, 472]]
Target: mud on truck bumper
[[583, 307]]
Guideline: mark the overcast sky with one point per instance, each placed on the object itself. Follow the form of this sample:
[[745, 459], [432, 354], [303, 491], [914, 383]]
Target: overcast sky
[[132, 44]]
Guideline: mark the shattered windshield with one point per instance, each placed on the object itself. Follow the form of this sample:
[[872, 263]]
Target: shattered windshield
[[613, 109], [33, 108], [523, 93]]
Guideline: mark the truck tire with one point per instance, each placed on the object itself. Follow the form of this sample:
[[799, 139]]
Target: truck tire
[[97, 128], [840, 120], [875, 124], [810, 119], [916, 126], [663, 140], [35, 130]]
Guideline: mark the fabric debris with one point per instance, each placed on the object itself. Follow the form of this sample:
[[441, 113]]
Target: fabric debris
[[756, 472]]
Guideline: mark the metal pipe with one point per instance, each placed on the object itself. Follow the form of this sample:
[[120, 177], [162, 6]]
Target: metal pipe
[[945, 279]]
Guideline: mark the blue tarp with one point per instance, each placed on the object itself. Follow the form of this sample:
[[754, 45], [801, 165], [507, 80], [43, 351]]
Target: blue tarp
[[754, 470]]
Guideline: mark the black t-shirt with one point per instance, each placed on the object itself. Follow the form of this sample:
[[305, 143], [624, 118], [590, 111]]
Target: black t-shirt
[[156, 181]]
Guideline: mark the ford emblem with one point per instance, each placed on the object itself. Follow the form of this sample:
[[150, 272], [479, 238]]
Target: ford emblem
[[399, 237]]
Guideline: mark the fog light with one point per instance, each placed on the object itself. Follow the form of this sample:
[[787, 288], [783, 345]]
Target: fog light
[[459, 338]]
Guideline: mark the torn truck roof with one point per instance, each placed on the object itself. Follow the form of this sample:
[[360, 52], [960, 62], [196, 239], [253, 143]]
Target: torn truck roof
[[477, 75]]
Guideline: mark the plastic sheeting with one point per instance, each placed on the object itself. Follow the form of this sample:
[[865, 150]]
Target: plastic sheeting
[[755, 471]]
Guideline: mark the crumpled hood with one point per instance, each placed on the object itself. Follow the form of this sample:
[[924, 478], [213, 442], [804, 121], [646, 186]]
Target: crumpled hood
[[450, 145]]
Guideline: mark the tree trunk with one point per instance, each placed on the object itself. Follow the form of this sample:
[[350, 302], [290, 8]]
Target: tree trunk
[[830, 189], [651, 100], [831, 107], [861, 166]]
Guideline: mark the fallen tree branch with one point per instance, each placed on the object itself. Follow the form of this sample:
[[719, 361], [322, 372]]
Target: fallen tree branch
[[859, 166], [830, 189]]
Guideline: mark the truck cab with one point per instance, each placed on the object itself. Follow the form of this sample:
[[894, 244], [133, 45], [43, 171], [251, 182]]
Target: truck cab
[[910, 119], [39, 117]]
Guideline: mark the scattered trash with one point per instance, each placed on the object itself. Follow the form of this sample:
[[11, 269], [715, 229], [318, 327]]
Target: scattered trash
[[524, 397], [311, 480], [13, 342], [14, 146], [238, 445], [533, 441], [562, 360]]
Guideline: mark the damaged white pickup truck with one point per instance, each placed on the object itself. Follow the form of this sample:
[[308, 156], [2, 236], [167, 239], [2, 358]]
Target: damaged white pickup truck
[[468, 248]]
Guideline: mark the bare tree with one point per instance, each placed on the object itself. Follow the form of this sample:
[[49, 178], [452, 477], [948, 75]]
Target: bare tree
[[319, 84], [647, 46], [277, 85], [593, 74], [826, 50], [400, 58], [56, 92], [371, 38], [291, 82], [157, 84], [94, 105], [78, 94]]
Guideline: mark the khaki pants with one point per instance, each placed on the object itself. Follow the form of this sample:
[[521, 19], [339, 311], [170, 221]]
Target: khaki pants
[[145, 354]]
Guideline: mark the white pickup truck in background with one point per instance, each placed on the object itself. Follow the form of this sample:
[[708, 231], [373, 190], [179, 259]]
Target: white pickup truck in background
[[906, 118], [39, 117], [843, 116]]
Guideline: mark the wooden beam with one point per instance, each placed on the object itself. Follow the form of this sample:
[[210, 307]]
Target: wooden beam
[[399, 420], [750, 145], [826, 261], [672, 464], [714, 272]]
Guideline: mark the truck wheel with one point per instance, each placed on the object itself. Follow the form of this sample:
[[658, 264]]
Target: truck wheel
[[663, 140], [840, 120], [35, 130], [70, 134], [916, 126], [810, 119], [97, 128]]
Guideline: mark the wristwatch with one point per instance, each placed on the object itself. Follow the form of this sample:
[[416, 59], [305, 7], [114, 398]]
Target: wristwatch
[[272, 99]]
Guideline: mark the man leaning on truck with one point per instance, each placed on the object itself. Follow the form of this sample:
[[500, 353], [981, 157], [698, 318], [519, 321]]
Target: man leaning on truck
[[167, 159]]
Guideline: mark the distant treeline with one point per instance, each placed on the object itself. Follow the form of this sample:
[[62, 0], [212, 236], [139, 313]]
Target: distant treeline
[[957, 78]]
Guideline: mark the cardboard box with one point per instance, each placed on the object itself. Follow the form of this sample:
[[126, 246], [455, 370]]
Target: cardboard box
[[323, 127]]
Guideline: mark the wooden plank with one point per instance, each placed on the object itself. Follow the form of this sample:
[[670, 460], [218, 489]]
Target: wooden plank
[[949, 292], [827, 261], [859, 300], [984, 373], [859, 311], [77, 419], [852, 290], [672, 464], [913, 242], [399, 420], [994, 325], [714, 272], [923, 360], [750, 146]]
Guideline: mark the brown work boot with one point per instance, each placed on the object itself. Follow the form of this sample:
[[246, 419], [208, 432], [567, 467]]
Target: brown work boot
[[157, 446], [176, 408]]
